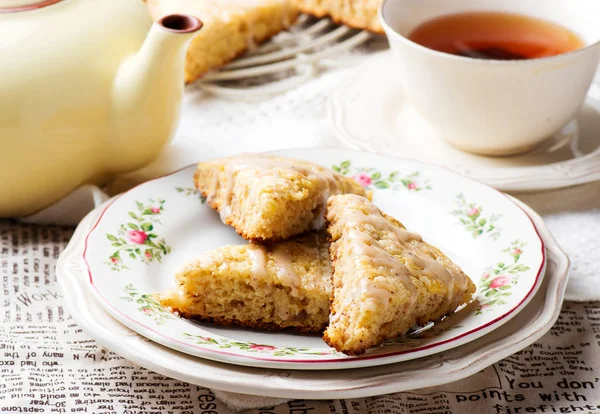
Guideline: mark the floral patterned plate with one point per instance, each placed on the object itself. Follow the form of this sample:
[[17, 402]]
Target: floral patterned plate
[[147, 234]]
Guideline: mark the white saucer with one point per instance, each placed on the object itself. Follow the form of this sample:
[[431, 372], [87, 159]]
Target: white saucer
[[524, 329], [368, 112]]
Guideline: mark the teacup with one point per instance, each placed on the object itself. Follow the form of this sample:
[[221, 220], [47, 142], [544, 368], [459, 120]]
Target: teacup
[[494, 107]]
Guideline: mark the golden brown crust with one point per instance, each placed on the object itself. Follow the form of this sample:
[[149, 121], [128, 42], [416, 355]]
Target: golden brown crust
[[193, 77], [320, 13], [336, 285], [263, 326], [230, 29]]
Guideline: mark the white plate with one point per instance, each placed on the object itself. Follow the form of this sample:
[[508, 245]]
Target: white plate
[[524, 329], [368, 111], [144, 237]]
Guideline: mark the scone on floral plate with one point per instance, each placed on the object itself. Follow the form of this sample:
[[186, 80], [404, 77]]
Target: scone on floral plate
[[285, 285], [267, 198], [386, 279]]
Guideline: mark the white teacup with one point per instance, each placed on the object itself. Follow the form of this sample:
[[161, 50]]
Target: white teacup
[[494, 107]]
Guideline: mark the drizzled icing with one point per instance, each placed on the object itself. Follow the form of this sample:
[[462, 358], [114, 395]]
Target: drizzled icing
[[355, 218], [285, 269], [279, 260], [364, 246], [258, 255], [261, 171], [282, 262]]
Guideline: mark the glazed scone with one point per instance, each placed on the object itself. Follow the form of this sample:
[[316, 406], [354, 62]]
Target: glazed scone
[[230, 28], [385, 278], [360, 14], [286, 285], [268, 198]]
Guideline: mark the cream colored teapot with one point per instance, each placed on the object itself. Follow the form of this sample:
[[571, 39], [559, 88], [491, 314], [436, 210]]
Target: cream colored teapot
[[88, 89]]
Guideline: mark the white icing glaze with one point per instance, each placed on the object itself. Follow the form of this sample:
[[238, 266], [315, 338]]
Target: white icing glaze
[[224, 213], [259, 261], [346, 213], [285, 269], [362, 246], [433, 267], [282, 262], [223, 183], [279, 258]]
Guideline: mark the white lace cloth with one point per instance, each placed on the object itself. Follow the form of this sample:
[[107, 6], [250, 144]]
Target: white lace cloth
[[212, 127]]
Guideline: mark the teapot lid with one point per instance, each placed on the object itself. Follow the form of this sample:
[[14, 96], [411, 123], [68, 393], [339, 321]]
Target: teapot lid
[[11, 6]]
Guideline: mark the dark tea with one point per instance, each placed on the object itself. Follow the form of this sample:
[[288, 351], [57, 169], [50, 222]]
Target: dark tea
[[495, 35]]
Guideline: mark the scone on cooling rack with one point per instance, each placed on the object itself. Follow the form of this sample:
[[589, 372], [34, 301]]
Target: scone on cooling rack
[[286, 285], [230, 28], [268, 198], [385, 278], [360, 14]]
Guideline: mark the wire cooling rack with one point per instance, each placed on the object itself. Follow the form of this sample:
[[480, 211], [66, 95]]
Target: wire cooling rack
[[288, 60]]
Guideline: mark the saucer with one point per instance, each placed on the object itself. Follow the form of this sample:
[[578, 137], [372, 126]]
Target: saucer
[[368, 111]]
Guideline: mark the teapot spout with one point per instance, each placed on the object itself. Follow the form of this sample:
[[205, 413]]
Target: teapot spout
[[147, 93]]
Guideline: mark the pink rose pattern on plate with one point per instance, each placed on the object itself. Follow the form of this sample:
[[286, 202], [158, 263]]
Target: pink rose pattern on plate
[[147, 305], [371, 177], [497, 281], [472, 218], [224, 343], [410, 340], [136, 239]]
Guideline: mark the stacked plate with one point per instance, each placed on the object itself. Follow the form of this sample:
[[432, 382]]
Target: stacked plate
[[132, 247]]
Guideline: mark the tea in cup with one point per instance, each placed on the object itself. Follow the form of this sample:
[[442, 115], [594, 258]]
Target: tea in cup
[[494, 77]]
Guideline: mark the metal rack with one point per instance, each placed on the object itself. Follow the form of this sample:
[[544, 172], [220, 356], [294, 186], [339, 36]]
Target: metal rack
[[288, 60]]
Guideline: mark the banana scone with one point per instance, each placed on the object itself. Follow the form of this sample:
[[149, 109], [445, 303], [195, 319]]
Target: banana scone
[[360, 14], [268, 198], [230, 28], [385, 278], [285, 285]]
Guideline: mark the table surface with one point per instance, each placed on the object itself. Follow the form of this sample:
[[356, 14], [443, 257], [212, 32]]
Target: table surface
[[48, 365]]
